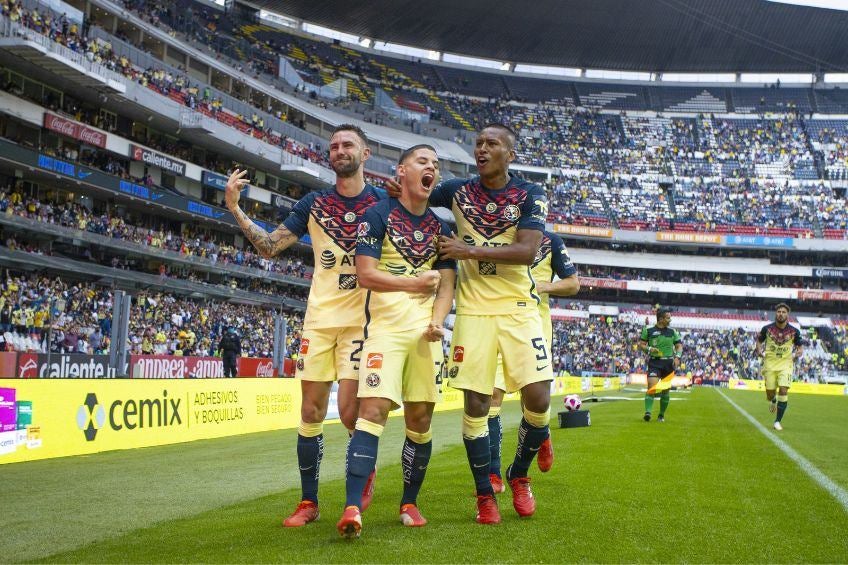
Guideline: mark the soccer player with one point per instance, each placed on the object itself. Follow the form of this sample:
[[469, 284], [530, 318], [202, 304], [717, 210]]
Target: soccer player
[[552, 259], [500, 220], [780, 344], [664, 348], [332, 329], [397, 261]]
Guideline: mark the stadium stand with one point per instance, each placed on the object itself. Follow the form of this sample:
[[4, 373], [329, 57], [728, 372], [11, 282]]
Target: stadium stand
[[161, 323], [766, 173], [602, 344]]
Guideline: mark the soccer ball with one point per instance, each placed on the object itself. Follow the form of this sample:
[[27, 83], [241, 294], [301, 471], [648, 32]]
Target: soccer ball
[[573, 402]]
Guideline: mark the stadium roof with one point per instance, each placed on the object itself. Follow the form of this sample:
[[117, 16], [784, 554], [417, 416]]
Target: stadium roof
[[625, 35]]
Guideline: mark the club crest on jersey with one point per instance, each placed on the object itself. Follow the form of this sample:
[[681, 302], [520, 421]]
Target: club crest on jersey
[[350, 217], [491, 207], [418, 235], [454, 371], [374, 361], [458, 354], [512, 212], [372, 380]]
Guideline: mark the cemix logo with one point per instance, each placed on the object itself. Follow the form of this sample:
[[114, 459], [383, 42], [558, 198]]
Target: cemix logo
[[90, 417], [127, 414]]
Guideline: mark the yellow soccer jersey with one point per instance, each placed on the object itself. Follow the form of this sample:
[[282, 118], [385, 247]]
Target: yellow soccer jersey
[[405, 245], [779, 344], [552, 258], [335, 299], [492, 218]]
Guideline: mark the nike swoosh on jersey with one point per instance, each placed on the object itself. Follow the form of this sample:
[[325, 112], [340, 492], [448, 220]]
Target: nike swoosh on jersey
[[361, 456], [542, 368]]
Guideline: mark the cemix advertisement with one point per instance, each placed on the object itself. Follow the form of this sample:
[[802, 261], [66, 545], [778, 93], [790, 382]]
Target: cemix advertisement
[[43, 419], [40, 419]]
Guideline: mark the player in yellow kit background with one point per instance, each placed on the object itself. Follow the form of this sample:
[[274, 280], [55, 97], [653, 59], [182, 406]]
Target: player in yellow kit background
[[780, 344], [551, 260]]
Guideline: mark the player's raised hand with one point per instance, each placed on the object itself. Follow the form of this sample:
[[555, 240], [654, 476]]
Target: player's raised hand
[[434, 332], [451, 247], [235, 184], [393, 188]]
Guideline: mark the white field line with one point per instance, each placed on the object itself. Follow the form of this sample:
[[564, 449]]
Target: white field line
[[833, 489]]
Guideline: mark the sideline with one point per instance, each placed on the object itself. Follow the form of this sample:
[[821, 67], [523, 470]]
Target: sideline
[[836, 491]]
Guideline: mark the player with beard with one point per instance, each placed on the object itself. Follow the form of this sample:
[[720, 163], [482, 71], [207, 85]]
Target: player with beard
[[500, 220], [780, 344], [332, 330], [397, 261]]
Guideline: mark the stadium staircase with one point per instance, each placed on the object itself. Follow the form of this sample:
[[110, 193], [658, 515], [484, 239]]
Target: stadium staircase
[[818, 156], [731, 105]]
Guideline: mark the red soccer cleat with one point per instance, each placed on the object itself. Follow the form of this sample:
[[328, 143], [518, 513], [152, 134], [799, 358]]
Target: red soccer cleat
[[497, 483], [545, 458], [368, 491], [411, 516], [350, 524], [522, 496], [487, 510], [306, 511]]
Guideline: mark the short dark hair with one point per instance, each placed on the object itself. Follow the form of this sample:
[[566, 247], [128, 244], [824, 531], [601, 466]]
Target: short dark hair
[[782, 305], [662, 312], [506, 129], [413, 149], [351, 127]]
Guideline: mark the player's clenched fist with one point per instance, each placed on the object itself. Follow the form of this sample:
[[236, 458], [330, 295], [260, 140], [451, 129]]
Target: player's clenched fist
[[235, 184], [429, 282], [434, 332]]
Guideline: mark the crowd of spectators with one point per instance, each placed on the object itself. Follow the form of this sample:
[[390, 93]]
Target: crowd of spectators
[[623, 154], [177, 86], [64, 212], [739, 279], [160, 323], [606, 344]]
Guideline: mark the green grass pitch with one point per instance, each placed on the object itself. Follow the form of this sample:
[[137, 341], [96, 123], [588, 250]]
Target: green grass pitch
[[705, 486]]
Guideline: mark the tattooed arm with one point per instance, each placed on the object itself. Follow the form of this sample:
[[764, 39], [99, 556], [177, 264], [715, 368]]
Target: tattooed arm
[[268, 244]]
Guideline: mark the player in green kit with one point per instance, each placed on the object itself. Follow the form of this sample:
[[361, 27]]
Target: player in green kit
[[664, 348], [780, 344]]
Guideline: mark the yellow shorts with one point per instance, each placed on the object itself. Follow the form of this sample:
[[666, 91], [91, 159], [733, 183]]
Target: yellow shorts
[[479, 340], [403, 367], [330, 354], [777, 377], [547, 327]]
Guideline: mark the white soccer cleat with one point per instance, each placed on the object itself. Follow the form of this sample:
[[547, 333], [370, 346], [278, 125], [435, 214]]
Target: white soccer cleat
[[777, 426]]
